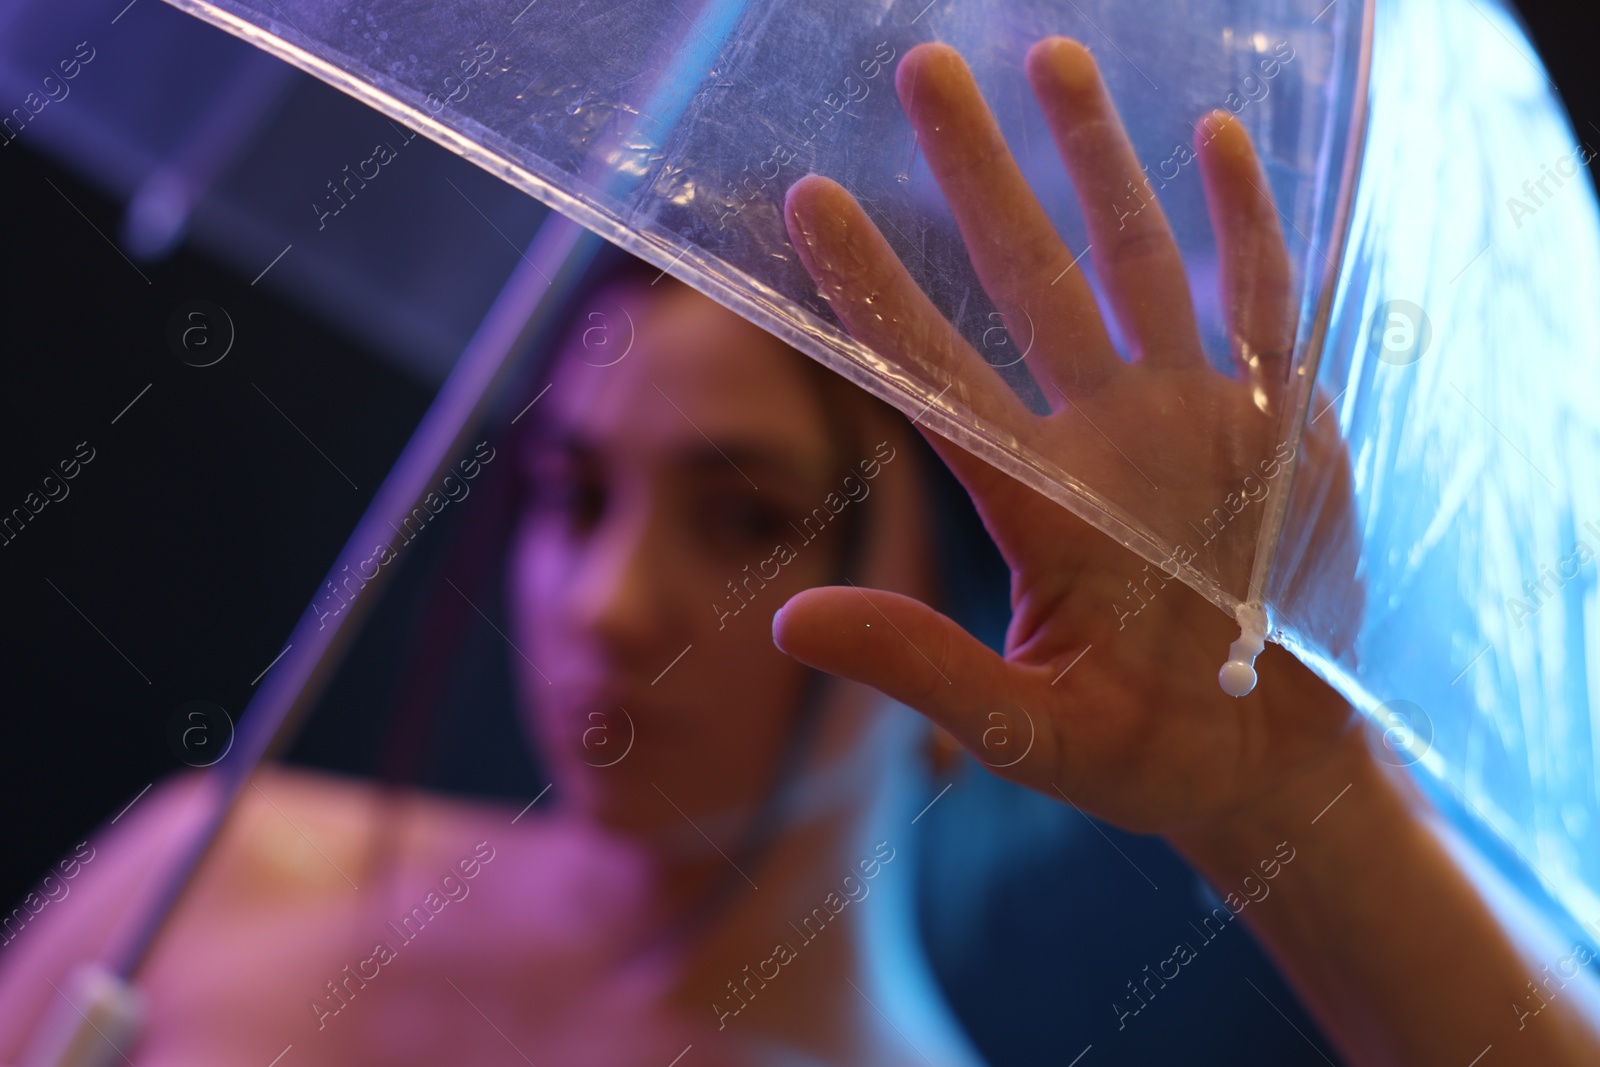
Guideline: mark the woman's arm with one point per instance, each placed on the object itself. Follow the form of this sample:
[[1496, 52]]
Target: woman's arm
[[1380, 927], [1376, 920]]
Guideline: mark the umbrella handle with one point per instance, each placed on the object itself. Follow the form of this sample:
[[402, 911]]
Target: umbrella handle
[[98, 1015]]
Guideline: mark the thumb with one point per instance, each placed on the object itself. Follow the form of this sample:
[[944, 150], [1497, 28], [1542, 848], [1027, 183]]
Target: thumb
[[910, 653]]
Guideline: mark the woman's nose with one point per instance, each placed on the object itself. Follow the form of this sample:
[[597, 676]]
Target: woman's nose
[[616, 595]]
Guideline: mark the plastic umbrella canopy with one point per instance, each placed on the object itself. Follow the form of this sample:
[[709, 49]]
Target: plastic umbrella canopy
[[1394, 496]]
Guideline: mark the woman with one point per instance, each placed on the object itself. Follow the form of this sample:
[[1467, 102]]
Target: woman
[[692, 763], [687, 902]]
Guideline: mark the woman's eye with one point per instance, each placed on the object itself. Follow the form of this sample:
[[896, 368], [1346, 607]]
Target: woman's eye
[[741, 522], [575, 498]]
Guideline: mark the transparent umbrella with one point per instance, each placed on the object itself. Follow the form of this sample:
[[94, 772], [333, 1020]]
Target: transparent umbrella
[[1442, 261], [1440, 239], [675, 130]]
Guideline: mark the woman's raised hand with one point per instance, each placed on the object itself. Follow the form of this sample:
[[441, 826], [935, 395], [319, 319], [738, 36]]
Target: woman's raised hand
[[1120, 715]]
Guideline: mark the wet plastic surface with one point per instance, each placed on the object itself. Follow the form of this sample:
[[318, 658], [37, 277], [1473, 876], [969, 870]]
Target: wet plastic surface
[[1461, 369], [674, 131]]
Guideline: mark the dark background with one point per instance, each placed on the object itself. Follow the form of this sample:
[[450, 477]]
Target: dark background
[[189, 546]]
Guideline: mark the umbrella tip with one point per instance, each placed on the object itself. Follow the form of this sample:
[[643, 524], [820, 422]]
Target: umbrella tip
[[1238, 675]]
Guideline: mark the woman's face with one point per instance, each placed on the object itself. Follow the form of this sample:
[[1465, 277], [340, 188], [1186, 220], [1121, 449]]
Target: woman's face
[[665, 524]]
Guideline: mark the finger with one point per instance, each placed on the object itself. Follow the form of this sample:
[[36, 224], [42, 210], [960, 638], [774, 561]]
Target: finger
[[883, 307], [1255, 281], [1020, 259], [1132, 245], [912, 654]]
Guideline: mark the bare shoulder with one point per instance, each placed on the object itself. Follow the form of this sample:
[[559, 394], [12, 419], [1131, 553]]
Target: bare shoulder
[[89, 902], [304, 858], [297, 835], [344, 850]]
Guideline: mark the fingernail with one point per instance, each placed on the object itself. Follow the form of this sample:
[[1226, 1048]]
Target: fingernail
[[1070, 64]]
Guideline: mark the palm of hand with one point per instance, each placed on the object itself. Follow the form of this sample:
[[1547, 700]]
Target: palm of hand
[[1118, 713]]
